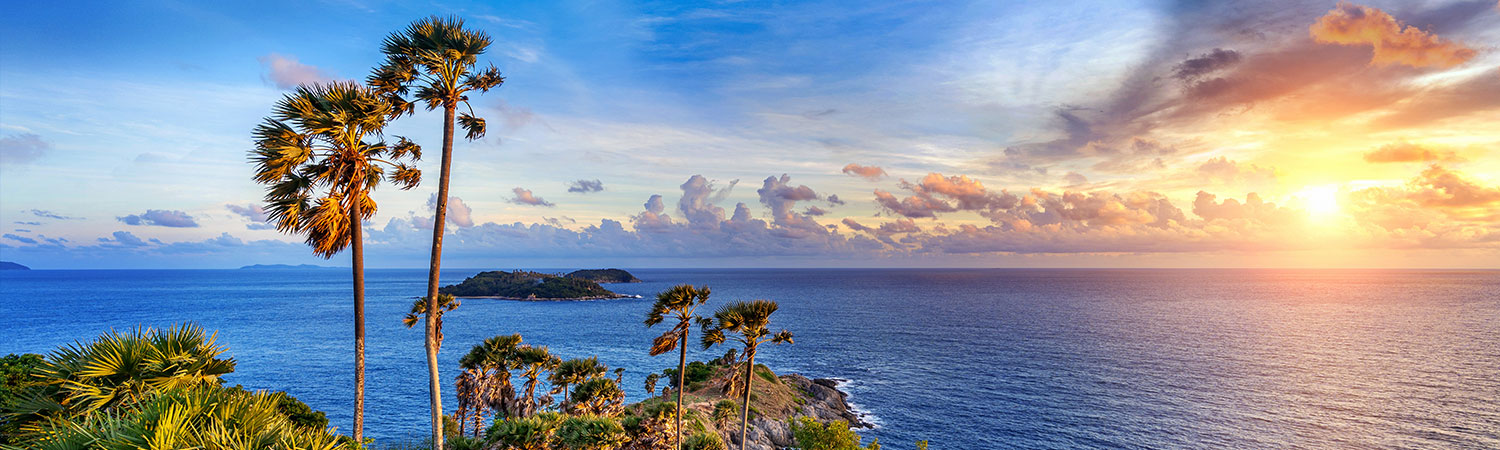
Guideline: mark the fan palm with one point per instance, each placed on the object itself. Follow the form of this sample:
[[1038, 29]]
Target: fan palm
[[575, 371], [681, 303], [315, 145], [437, 56], [485, 382], [750, 322], [532, 361], [204, 417], [445, 303]]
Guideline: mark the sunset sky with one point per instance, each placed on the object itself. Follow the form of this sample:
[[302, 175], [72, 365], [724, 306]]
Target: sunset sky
[[1101, 134]]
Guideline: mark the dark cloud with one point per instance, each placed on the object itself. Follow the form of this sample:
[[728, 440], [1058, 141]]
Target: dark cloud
[[525, 197], [815, 211], [161, 218], [586, 186], [1192, 69], [22, 149], [21, 239], [51, 215], [834, 200], [782, 197]]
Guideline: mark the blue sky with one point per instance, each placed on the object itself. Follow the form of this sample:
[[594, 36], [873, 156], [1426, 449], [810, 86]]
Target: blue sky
[[126, 128]]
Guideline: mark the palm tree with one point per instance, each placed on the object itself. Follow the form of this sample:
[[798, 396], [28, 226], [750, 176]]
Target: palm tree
[[651, 383], [314, 145], [680, 302], [437, 57], [532, 361], [575, 371], [750, 321], [485, 381], [445, 303]]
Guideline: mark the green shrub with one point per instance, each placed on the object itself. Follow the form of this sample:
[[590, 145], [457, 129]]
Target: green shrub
[[809, 434], [201, 417], [589, 433], [531, 433], [697, 372], [704, 441], [18, 373]]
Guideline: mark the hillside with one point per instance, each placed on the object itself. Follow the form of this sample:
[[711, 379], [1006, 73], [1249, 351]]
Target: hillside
[[7, 265], [604, 276], [775, 401], [525, 285]]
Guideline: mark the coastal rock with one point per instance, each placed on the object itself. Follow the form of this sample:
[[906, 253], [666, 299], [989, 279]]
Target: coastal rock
[[823, 402]]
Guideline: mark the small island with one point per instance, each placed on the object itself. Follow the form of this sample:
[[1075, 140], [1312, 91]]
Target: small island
[[7, 265], [604, 276], [282, 266], [526, 285]]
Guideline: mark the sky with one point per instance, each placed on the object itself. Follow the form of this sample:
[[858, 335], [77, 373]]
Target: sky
[[787, 134]]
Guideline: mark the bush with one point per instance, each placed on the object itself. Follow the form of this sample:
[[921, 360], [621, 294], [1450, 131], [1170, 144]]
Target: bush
[[202, 417], [589, 433], [704, 441], [697, 372], [17, 375], [809, 434], [531, 433]]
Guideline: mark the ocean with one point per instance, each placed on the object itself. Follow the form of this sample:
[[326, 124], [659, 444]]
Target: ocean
[[967, 359]]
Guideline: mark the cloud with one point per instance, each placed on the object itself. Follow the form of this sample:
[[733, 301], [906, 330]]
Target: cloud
[[459, 214], [1408, 152], [1394, 42], [124, 238], [834, 200], [51, 215], [586, 186], [936, 193], [21, 239], [253, 213], [1440, 187], [872, 173], [1075, 179], [524, 197], [20, 149], [162, 218], [1222, 169], [285, 72], [1191, 69], [698, 201], [778, 194]]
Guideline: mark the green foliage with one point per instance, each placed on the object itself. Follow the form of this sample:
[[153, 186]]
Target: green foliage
[[697, 372], [704, 441], [724, 411], [922, 445], [119, 370], [809, 434], [295, 411], [590, 433], [604, 276], [766, 373], [203, 417], [530, 433], [523, 284], [598, 396], [18, 373]]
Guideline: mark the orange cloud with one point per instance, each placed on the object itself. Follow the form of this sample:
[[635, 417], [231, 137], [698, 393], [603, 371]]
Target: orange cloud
[[1394, 42], [871, 173], [1408, 152]]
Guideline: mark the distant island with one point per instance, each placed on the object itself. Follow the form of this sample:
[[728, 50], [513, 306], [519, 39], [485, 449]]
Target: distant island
[[7, 265], [283, 266], [526, 285], [604, 276]]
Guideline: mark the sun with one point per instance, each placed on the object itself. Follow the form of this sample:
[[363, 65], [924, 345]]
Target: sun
[[1321, 202]]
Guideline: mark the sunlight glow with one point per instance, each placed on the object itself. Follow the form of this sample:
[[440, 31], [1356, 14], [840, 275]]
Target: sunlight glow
[[1321, 202]]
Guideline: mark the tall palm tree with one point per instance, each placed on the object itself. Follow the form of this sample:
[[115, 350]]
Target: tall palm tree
[[485, 382], [320, 154], [532, 361], [680, 302], [437, 57], [574, 371], [750, 322]]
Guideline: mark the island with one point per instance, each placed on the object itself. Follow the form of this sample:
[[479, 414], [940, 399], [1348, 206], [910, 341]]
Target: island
[[282, 266], [7, 265], [604, 276], [526, 285]]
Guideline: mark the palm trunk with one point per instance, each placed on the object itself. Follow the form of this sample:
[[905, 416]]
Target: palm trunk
[[439, 217], [681, 382], [745, 416], [356, 236]]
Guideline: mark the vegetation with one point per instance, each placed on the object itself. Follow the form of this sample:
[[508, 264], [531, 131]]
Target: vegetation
[[813, 435], [604, 276], [445, 303], [680, 303], [749, 321], [437, 57], [319, 170], [149, 388], [18, 373], [526, 285]]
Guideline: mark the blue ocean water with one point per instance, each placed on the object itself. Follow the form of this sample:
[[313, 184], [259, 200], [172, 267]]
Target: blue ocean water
[[964, 358]]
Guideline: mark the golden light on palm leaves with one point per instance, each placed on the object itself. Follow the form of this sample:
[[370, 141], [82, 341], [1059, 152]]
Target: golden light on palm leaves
[[321, 154], [436, 55]]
